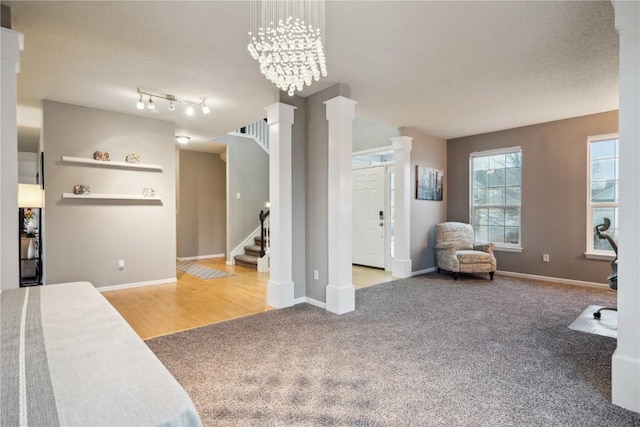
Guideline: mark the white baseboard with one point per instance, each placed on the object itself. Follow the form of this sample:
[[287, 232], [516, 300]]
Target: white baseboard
[[553, 279], [137, 284], [193, 258], [311, 301], [424, 271]]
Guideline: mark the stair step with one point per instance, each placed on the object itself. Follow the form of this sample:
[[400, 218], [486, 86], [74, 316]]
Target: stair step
[[253, 250], [257, 240], [247, 261]]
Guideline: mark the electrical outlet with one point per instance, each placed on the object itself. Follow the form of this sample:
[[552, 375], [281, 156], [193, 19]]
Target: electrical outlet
[[316, 275], [237, 195], [121, 264], [545, 257]]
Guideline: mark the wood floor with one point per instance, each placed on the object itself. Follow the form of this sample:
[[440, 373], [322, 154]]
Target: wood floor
[[192, 302]]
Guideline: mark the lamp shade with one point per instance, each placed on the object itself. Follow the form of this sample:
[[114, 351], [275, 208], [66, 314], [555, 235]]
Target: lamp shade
[[30, 196]]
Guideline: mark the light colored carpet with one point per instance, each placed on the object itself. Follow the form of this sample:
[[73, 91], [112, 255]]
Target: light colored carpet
[[606, 326], [424, 351], [200, 271]]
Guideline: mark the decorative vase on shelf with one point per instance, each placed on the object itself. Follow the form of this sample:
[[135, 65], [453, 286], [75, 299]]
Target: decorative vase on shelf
[[30, 227], [31, 251]]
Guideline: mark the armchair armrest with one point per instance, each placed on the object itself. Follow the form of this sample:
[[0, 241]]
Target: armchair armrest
[[484, 247], [446, 246]]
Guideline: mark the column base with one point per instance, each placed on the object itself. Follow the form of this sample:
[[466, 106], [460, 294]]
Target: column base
[[625, 382], [401, 268], [279, 294], [341, 300]]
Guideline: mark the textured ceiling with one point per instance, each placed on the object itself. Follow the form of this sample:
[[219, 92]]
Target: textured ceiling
[[449, 68]]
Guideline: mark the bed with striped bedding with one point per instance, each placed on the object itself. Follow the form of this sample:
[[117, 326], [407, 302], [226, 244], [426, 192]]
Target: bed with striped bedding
[[67, 358]]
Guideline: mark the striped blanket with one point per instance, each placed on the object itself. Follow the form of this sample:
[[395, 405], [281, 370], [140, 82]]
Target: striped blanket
[[68, 358]]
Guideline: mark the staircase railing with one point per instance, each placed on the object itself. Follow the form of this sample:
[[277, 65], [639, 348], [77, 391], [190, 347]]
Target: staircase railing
[[258, 130], [263, 261], [264, 233]]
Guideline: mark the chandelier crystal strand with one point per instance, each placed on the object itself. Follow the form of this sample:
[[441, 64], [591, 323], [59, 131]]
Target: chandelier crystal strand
[[286, 40]]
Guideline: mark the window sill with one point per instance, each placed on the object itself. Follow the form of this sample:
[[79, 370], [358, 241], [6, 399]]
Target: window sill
[[600, 256], [517, 249]]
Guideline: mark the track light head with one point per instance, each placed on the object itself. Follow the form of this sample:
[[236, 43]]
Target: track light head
[[189, 110], [205, 109], [172, 107], [140, 104], [150, 104]]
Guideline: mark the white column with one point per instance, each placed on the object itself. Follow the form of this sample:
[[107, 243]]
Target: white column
[[340, 294], [280, 287], [11, 45], [401, 266], [625, 369]]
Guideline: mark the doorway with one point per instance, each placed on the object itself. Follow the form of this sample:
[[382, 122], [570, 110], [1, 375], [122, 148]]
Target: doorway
[[373, 208]]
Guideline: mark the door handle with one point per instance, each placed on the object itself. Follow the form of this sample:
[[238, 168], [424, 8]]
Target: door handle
[[381, 216]]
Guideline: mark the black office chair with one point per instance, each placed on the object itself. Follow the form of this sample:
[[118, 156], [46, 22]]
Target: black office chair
[[613, 277]]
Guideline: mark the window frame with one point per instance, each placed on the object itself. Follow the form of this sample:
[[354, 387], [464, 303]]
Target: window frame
[[590, 252], [506, 247]]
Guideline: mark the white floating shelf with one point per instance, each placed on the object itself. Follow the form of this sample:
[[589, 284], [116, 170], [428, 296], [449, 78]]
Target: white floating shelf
[[96, 196], [112, 164]]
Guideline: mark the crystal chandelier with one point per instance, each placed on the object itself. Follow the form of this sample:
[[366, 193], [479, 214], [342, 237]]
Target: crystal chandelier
[[286, 39]]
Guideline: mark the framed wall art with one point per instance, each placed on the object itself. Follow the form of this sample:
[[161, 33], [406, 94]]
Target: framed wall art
[[429, 183]]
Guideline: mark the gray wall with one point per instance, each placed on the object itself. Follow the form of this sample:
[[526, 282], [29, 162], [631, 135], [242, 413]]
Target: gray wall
[[317, 135], [427, 151], [554, 193], [247, 174], [298, 157], [202, 204], [369, 134], [85, 239]]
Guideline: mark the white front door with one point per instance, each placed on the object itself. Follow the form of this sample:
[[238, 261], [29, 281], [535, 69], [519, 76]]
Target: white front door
[[368, 216]]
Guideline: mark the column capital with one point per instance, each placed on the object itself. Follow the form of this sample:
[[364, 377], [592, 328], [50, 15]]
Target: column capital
[[402, 143], [340, 107], [12, 44], [280, 113]]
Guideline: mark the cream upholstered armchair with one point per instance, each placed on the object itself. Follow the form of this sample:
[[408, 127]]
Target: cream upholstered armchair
[[457, 252]]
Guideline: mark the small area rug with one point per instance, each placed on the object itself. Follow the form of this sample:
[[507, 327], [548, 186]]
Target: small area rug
[[607, 325], [201, 271]]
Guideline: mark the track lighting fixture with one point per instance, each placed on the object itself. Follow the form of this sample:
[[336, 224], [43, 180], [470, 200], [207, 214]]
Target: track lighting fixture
[[173, 100]]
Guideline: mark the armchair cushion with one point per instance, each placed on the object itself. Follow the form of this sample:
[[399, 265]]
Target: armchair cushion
[[473, 257]]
